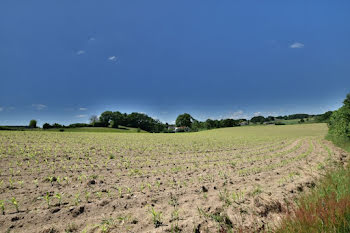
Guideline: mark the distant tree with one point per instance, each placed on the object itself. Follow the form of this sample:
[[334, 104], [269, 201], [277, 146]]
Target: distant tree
[[56, 125], [324, 117], [117, 119], [347, 101], [270, 118], [78, 125], [258, 119], [228, 123], [46, 126], [93, 120], [106, 117], [184, 120], [210, 124], [32, 124]]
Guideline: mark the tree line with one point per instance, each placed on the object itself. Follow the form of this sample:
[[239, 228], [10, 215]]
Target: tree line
[[143, 121]]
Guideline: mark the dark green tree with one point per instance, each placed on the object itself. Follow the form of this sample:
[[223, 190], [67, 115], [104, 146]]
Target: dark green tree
[[210, 124], [184, 120], [347, 101], [116, 119], [46, 126], [32, 124], [105, 118], [258, 119]]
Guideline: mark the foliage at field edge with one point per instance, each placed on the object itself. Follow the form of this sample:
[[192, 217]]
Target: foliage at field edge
[[339, 125], [327, 207]]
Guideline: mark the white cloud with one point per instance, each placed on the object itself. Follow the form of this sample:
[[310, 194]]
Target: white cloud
[[39, 106], [81, 116], [296, 45], [81, 52], [82, 109], [238, 114], [112, 58], [257, 113]]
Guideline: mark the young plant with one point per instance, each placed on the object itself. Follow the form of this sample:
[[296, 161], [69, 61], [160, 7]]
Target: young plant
[[15, 203], [36, 182], [224, 196], [156, 218], [99, 195], [47, 198], [87, 195], [142, 187], [120, 192], [2, 206], [11, 183], [59, 197], [77, 199]]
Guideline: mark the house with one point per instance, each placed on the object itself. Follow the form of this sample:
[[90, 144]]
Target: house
[[243, 123], [173, 128], [182, 129]]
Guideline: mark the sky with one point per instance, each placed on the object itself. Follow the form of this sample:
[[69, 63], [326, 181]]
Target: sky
[[63, 61]]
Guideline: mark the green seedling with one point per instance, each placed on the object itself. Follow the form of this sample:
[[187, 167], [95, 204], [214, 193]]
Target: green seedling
[[156, 218], [87, 195], [99, 195], [15, 203], [2, 206], [120, 192], [11, 183], [36, 182], [142, 187], [77, 199], [47, 198], [59, 197]]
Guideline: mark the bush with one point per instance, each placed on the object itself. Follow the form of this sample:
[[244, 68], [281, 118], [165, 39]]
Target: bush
[[279, 123]]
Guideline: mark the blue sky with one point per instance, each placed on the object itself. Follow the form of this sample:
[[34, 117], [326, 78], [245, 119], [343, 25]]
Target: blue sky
[[62, 61]]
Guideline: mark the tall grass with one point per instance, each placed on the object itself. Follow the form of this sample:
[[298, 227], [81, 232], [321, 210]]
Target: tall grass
[[327, 207]]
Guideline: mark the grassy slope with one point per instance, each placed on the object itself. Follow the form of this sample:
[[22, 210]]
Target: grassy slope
[[99, 130], [296, 121]]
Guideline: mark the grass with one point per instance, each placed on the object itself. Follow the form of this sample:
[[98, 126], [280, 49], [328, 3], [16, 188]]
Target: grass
[[327, 207]]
